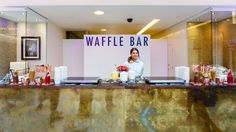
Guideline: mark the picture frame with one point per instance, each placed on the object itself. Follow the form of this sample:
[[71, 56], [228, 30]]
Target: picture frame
[[30, 48]]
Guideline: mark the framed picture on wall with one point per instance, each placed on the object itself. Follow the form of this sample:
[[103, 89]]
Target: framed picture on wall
[[30, 48]]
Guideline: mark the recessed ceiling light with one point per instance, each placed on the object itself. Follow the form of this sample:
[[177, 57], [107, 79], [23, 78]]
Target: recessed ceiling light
[[23, 13], [149, 25], [213, 13], [103, 30], [98, 13]]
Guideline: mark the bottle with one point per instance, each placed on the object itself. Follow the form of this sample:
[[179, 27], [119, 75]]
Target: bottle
[[230, 78], [196, 77], [15, 78], [48, 76]]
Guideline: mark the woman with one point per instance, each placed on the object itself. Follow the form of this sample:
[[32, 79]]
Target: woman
[[134, 63]]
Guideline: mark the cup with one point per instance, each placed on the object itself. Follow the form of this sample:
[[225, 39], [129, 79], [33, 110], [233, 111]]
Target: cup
[[115, 75], [219, 80], [31, 75], [132, 76], [38, 81], [124, 77], [26, 81], [213, 75], [206, 81]]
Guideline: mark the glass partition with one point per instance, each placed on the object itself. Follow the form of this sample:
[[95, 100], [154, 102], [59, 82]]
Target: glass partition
[[200, 39], [37, 29], [9, 20], [212, 39], [15, 24]]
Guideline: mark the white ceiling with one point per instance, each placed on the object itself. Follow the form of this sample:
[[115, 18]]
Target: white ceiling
[[81, 18], [116, 2], [20, 16]]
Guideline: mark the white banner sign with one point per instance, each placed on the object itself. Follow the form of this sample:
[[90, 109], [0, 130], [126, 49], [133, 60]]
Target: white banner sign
[[103, 52], [116, 40]]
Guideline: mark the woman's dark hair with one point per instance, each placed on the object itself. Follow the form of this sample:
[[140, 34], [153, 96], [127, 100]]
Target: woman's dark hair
[[131, 51]]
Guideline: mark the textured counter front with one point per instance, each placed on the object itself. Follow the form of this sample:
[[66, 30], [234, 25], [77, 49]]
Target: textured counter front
[[117, 108]]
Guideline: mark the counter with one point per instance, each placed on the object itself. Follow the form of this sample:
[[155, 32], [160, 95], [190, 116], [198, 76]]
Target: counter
[[118, 108], [102, 85]]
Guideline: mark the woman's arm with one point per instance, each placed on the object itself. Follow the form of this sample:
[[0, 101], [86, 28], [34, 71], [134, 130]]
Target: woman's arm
[[140, 73], [142, 70], [126, 63]]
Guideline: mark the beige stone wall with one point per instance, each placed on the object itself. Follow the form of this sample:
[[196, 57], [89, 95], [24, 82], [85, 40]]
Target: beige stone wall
[[199, 43], [7, 45], [225, 43]]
